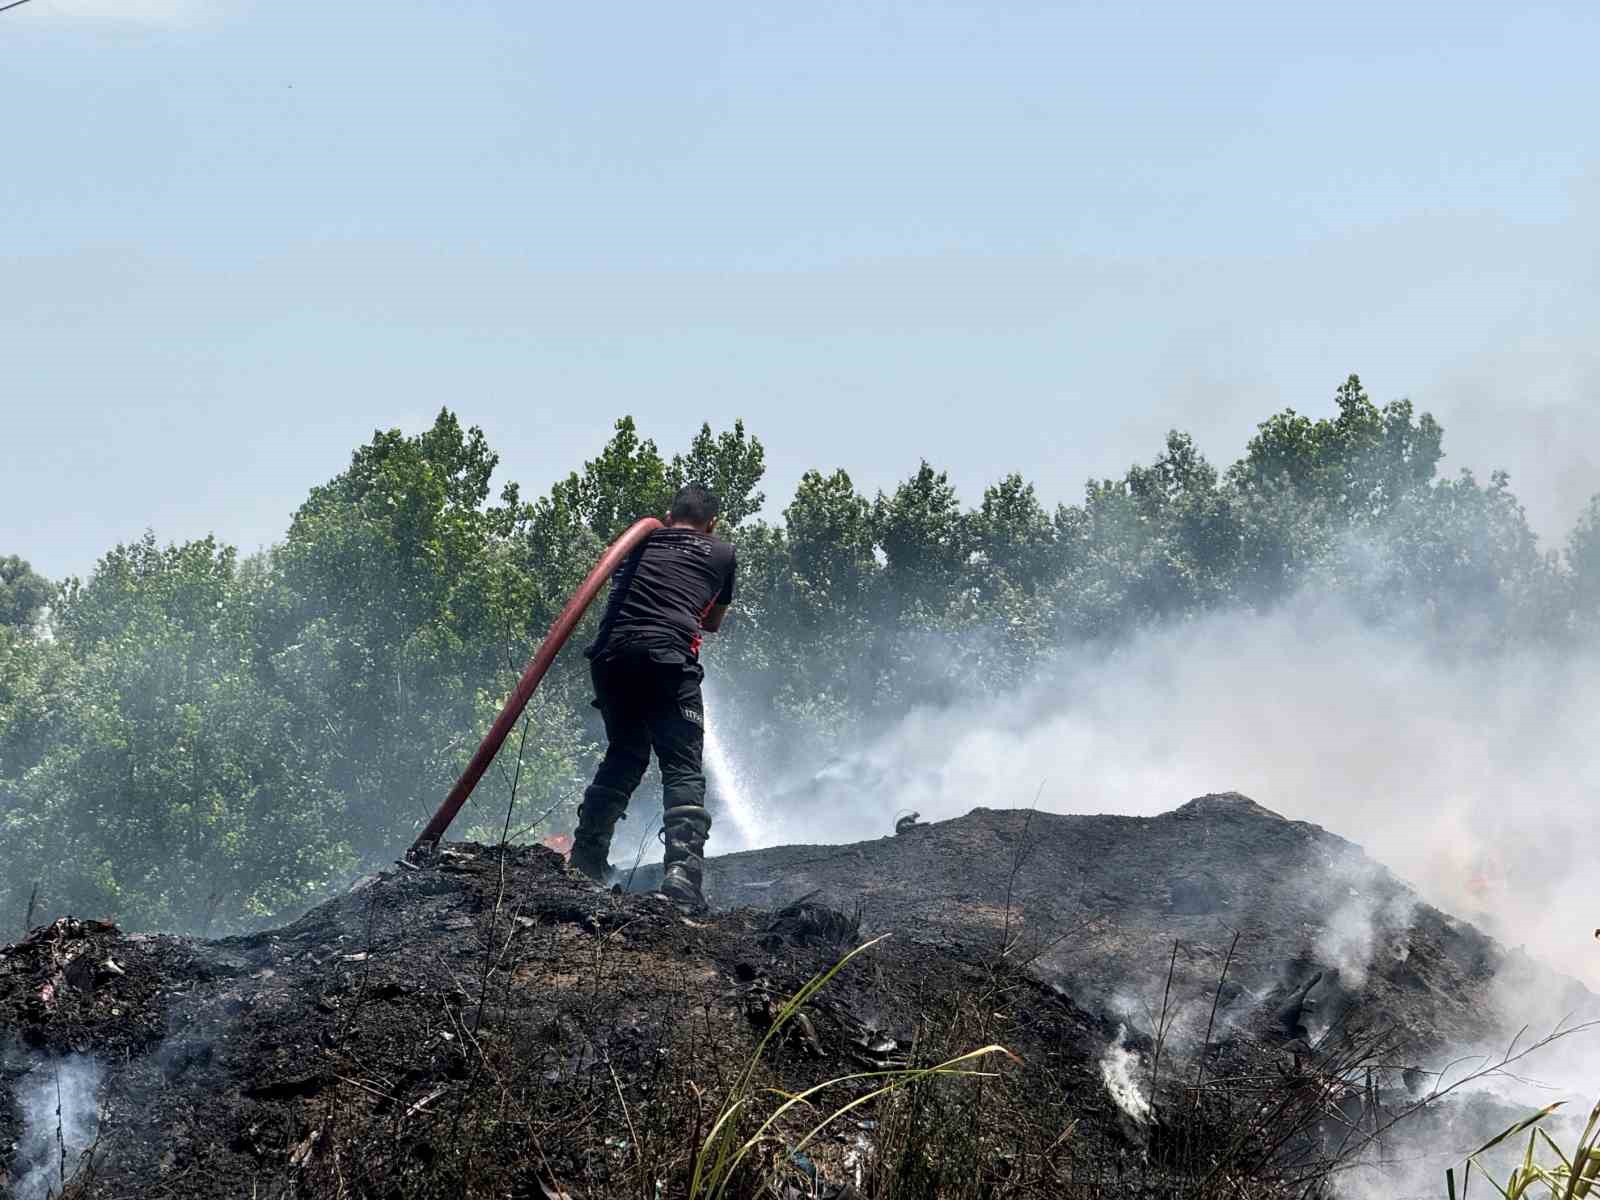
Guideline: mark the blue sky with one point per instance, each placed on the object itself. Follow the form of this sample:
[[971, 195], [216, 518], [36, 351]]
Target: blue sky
[[239, 235]]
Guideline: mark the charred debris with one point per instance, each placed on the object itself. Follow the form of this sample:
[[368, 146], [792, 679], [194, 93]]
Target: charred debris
[[1214, 1001]]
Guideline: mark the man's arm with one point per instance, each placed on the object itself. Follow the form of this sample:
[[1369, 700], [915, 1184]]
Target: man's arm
[[712, 621]]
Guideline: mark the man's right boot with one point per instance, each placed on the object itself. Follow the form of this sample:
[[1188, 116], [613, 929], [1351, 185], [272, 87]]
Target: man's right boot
[[684, 829], [598, 815]]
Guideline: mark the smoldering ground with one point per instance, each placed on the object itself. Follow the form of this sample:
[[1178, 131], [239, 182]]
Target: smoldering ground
[[60, 1114]]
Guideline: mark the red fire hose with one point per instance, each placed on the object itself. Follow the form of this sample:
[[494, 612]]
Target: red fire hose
[[518, 700]]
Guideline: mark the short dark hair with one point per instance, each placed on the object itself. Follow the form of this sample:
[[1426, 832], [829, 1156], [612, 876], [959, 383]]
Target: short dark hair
[[695, 504]]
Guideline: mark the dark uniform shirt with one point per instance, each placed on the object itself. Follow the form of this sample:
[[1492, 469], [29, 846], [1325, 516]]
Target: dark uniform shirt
[[663, 590]]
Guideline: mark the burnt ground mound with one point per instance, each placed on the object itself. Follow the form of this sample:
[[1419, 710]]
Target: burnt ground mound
[[1094, 905], [494, 1024]]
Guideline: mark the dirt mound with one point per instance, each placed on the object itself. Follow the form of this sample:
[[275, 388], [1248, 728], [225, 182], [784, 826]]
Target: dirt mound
[[1094, 906], [495, 1024], [498, 1025]]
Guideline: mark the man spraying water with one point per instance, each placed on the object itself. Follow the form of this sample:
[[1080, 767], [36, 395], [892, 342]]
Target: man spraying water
[[645, 665]]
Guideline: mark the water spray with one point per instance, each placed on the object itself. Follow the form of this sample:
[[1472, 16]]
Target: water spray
[[729, 784]]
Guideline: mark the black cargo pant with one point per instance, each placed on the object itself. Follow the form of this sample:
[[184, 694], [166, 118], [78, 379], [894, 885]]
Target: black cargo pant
[[650, 699]]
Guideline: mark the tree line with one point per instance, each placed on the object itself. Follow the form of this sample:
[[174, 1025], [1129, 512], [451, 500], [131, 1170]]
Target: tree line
[[194, 739]]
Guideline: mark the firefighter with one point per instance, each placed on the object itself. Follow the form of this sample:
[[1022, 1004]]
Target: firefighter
[[645, 665]]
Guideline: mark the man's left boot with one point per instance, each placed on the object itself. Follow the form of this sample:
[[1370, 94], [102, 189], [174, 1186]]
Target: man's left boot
[[685, 828], [598, 815]]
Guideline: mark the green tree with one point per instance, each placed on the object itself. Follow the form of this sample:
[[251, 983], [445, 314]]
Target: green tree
[[23, 592], [1110, 554], [1459, 558], [807, 593], [1361, 462], [731, 464], [1303, 484], [926, 545], [627, 481], [829, 533], [170, 793], [400, 586], [1013, 540], [38, 685], [1015, 557], [1195, 553]]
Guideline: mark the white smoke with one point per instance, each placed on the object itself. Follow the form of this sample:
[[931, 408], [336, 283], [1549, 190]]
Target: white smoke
[[1118, 1066], [1365, 923], [1470, 778], [60, 1123]]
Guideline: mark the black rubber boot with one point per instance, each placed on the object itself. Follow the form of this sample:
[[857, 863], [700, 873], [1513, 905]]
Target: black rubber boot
[[598, 815], [684, 830]]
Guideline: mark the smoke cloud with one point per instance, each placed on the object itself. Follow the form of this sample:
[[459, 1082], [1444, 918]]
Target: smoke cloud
[[1119, 1067], [1471, 778], [61, 1120], [1367, 922]]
